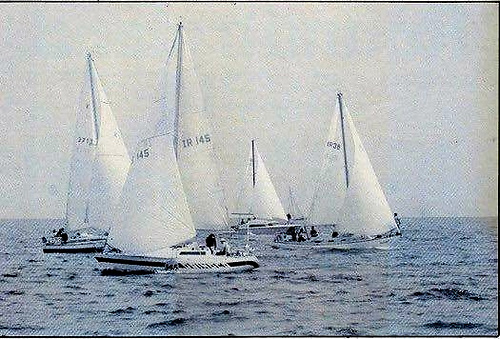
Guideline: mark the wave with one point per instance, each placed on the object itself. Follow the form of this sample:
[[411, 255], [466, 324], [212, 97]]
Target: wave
[[441, 324], [129, 309], [225, 312], [173, 322], [10, 275], [347, 332], [346, 277], [14, 292], [447, 293]]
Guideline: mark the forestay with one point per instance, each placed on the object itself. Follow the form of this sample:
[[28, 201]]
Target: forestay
[[193, 139], [155, 213]]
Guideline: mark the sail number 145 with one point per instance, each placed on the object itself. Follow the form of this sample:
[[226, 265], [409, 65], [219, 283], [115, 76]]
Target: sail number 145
[[196, 140]]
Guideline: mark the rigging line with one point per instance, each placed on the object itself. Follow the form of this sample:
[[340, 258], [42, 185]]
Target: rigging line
[[94, 101], [96, 135], [253, 163], [339, 96], [178, 90]]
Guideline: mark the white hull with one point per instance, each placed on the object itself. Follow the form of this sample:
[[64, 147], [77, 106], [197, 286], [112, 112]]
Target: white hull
[[264, 227], [184, 261], [382, 243], [83, 246]]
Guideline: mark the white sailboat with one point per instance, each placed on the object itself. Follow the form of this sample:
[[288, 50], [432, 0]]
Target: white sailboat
[[259, 207], [99, 167], [156, 227], [193, 139], [348, 206]]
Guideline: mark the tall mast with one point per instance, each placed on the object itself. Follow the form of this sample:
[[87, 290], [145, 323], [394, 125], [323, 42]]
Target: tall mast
[[253, 163], [178, 89], [94, 101], [339, 96]]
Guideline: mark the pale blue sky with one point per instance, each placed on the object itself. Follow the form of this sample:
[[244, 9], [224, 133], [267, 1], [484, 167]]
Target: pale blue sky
[[420, 80]]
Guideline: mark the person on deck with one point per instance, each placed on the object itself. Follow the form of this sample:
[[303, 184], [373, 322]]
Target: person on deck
[[289, 218], [301, 236], [211, 243], [225, 250], [314, 233], [398, 223], [64, 237]]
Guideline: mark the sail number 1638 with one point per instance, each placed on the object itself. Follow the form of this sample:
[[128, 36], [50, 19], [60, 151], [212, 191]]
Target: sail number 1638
[[333, 144]]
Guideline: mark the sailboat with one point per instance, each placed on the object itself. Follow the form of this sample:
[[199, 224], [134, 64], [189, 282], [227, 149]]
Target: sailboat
[[156, 231], [98, 170], [259, 207], [193, 138], [349, 208]]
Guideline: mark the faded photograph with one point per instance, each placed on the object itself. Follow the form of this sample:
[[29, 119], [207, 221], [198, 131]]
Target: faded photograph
[[248, 169]]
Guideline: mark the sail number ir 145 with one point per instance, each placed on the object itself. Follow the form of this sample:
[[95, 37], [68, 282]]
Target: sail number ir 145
[[196, 140]]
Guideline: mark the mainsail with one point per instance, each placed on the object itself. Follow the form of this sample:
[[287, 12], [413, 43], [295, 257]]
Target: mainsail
[[351, 196], [155, 212], [193, 138], [100, 161], [258, 195]]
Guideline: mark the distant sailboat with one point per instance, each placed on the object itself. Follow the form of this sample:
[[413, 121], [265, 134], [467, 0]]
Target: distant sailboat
[[156, 231], [348, 196], [193, 139], [259, 207], [99, 167]]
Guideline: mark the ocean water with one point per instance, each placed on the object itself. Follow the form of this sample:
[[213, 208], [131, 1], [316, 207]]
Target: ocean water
[[440, 278]]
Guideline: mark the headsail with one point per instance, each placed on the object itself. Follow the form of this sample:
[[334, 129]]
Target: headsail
[[155, 213], [111, 163], [365, 210], [99, 163], [258, 196], [193, 139]]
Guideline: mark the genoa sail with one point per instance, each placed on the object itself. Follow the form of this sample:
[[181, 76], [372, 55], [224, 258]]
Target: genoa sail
[[193, 139], [365, 210], [100, 160], [155, 212]]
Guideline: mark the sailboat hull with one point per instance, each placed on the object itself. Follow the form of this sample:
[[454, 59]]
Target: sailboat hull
[[264, 227], [183, 262], [76, 247], [382, 243], [86, 246]]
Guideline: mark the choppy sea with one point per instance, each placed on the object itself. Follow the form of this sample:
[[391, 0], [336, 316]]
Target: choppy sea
[[440, 278]]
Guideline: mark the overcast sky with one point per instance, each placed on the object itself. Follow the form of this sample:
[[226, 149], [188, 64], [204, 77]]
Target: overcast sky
[[420, 80]]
